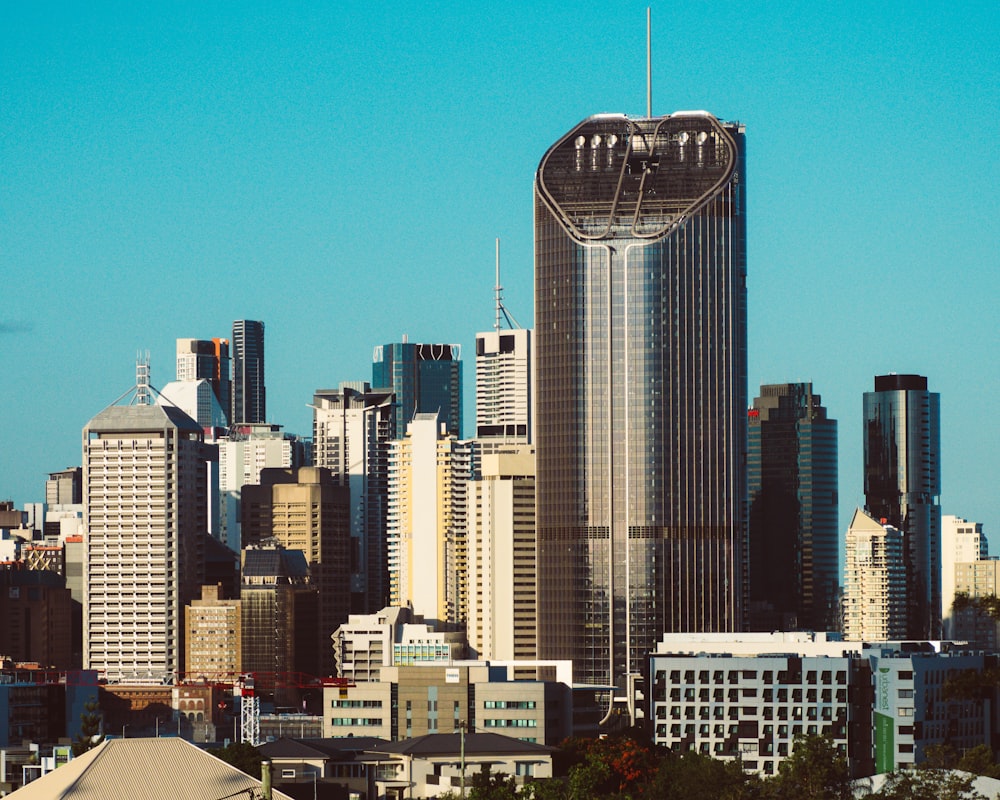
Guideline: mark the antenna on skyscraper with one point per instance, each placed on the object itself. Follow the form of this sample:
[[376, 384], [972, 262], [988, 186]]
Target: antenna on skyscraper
[[143, 397], [649, 65], [501, 310]]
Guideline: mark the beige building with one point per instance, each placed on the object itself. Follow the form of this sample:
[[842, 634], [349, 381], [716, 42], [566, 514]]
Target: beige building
[[503, 616], [874, 581], [429, 472], [976, 579], [213, 643], [305, 509], [961, 541]]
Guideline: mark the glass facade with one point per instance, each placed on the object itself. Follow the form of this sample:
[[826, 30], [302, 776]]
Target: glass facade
[[248, 395], [425, 378], [640, 313], [794, 533], [903, 483]]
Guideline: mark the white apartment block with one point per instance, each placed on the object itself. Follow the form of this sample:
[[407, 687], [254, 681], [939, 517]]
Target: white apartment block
[[874, 581], [961, 541], [748, 696], [145, 510], [429, 472], [504, 387], [503, 613]]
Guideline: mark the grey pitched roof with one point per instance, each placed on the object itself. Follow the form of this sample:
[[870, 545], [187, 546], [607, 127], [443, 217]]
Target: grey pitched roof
[[341, 748], [137, 418], [449, 744], [143, 769]]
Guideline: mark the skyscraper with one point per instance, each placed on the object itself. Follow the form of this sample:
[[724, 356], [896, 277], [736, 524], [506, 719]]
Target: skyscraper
[[352, 428], [874, 581], [640, 328], [903, 484], [145, 513], [249, 395], [424, 378], [794, 536], [207, 359]]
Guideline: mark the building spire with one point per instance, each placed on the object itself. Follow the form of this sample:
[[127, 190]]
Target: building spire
[[649, 65]]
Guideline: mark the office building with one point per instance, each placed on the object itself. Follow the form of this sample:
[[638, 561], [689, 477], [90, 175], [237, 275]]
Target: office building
[[393, 637], [504, 387], [424, 379], [794, 534], [36, 609], [306, 510], [503, 611], [246, 451], [429, 473], [279, 606], [207, 359], [747, 697], [249, 396], [64, 488], [145, 511], [976, 580], [961, 542], [903, 483], [641, 387], [213, 647], [874, 581], [352, 428]]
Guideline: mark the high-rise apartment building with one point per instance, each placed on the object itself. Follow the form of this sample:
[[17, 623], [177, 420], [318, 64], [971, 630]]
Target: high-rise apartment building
[[206, 359], [145, 513], [794, 534], [306, 510], [874, 581], [903, 483], [64, 488], [248, 393], [961, 542], [503, 611], [641, 373], [352, 428], [975, 580], [424, 379], [429, 473], [504, 387]]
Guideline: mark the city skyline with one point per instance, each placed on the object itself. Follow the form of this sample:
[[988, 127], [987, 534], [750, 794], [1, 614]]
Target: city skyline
[[148, 154]]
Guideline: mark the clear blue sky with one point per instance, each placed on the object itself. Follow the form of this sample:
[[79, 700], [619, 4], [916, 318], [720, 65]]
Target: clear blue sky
[[341, 172]]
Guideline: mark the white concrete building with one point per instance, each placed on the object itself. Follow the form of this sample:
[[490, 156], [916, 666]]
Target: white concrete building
[[145, 511], [503, 613], [504, 387], [874, 581], [961, 542]]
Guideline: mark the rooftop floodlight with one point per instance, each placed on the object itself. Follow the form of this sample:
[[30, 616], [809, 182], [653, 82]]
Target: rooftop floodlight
[[683, 137], [702, 137], [580, 142]]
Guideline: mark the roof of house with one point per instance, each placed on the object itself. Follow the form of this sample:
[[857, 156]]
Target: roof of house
[[476, 744], [342, 748], [144, 769]]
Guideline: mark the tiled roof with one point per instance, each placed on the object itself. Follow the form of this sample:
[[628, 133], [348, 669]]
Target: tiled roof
[[144, 769], [341, 748]]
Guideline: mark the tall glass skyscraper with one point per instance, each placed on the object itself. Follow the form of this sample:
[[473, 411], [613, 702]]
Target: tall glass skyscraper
[[903, 484], [794, 536], [249, 395], [424, 379], [641, 346]]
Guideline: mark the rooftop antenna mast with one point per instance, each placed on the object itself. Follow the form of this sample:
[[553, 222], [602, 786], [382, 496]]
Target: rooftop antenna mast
[[649, 65], [143, 397], [501, 310]]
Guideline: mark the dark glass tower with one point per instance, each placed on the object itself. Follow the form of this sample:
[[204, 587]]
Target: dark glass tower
[[425, 379], [640, 315], [794, 535], [249, 395], [903, 484]]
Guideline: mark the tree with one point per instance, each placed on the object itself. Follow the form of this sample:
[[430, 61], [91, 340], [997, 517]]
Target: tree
[[90, 728], [814, 771], [979, 761], [243, 756], [691, 776], [926, 784]]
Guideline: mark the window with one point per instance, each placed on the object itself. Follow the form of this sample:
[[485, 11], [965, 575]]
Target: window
[[288, 773]]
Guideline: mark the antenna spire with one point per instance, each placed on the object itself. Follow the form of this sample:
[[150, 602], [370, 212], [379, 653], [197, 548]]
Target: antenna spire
[[143, 397], [649, 65], [497, 291]]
